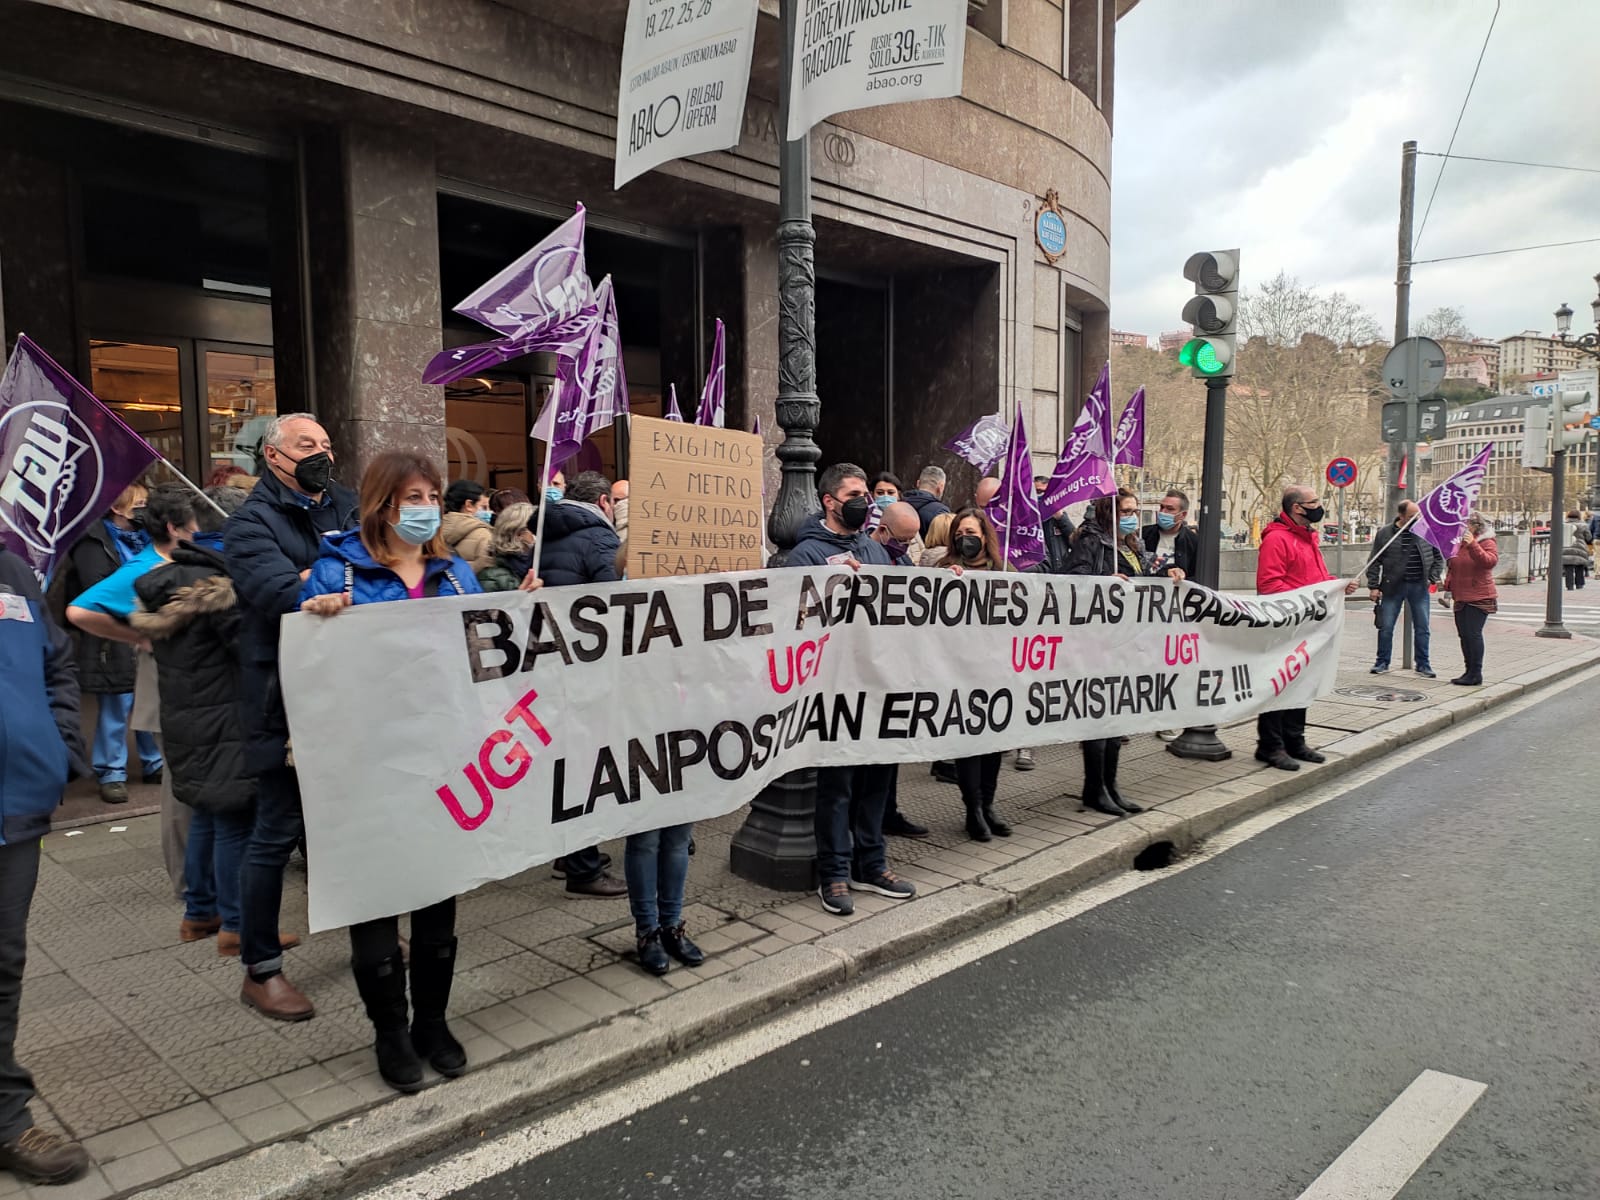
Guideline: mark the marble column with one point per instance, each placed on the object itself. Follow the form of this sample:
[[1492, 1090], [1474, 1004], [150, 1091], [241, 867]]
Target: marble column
[[374, 259]]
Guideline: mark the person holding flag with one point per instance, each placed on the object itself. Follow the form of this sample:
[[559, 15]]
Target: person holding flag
[[1469, 583]]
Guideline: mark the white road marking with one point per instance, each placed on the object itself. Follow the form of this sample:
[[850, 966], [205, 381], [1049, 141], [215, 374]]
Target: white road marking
[[1387, 1154], [618, 1103]]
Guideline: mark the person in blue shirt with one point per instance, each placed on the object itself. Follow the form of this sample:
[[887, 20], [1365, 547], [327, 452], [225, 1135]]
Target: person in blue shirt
[[106, 667], [398, 553]]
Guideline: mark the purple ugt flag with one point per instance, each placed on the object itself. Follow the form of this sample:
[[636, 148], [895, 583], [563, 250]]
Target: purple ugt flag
[[1442, 513], [64, 456], [1084, 468], [1128, 445], [590, 389], [714, 396], [674, 413], [983, 443], [543, 301], [1014, 510]]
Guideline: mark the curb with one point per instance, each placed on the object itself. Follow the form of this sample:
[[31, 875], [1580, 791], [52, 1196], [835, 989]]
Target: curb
[[357, 1150]]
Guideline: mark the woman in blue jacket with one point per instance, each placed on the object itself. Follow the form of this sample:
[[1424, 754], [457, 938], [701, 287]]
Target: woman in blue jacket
[[397, 553]]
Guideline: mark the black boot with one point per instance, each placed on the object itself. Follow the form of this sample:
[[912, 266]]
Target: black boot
[[677, 944], [433, 969], [1113, 757], [652, 954], [1094, 779], [383, 991], [968, 776], [992, 819]]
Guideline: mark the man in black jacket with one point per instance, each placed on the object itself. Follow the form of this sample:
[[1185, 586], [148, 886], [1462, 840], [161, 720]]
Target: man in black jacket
[[928, 496], [269, 546], [40, 749], [580, 546], [1171, 538], [1399, 574]]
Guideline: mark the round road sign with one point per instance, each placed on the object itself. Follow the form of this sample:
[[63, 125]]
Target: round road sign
[[1419, 356], [1341, 472]]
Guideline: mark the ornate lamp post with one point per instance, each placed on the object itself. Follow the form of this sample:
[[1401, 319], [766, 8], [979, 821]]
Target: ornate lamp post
[[1587, 343]]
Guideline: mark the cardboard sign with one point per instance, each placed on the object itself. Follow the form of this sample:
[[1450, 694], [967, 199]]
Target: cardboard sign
[[694, 499]]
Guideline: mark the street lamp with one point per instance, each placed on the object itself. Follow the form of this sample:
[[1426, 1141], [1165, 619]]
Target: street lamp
[[1587, 343]]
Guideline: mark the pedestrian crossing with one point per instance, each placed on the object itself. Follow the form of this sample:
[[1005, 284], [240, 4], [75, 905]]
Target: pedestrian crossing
[[1578, 616]]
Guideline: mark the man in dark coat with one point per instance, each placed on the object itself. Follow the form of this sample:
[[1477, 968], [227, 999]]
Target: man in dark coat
[[850, 800], [928, 496], [580, 546], [1057, 549], [269, 546], [1170, 538], [40, 749], [1400, 573]]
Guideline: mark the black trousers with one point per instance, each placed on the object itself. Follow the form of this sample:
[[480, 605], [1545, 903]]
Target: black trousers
[[374, 942], [979, 777], [1469, 628], [1575, 573], [19, 873], [1281, 730]]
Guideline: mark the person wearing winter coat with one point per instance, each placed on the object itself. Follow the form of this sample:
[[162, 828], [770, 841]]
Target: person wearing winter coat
[[398, 554], [189, 614], [41, 749], [1290, 557], [510, 549], [1108, 543], [467, 523], [1469, 579], [928, 497], [269, 546], [1170, 537], [1401, 571], [1577, 554], [580, 543], [106, 666]]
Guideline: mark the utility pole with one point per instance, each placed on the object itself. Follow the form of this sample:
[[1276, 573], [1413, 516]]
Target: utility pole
[[1405, 454], [1554, 575], [776, 846]]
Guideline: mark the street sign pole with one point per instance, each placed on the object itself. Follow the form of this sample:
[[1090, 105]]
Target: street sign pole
[[1338, 549], [1554, 575]]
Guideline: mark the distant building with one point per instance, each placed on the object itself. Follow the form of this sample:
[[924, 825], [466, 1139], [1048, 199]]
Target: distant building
[[1530, 354], [1120, 338], [1510, 490], [1466, 348], [1473, 367], [1172, 340]]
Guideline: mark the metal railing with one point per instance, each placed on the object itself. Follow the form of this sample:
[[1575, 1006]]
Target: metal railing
[[1538, 555]]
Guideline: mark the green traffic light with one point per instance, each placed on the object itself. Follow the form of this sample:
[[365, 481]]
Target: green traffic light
[[1200, 355]]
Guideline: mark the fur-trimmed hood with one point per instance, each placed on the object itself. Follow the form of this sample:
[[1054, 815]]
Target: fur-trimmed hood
[[205, 597]]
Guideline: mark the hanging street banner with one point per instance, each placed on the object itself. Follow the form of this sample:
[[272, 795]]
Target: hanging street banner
[[863, 53], [557, 719], [694, 499], [685, 70], [64, 458]]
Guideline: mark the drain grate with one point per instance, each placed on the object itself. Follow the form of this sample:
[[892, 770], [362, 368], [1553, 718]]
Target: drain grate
[[1370, 691], [1155, 857]]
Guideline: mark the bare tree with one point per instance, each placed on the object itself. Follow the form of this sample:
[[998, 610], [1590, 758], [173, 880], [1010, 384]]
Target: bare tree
[[1283, 310], [1444, 322]]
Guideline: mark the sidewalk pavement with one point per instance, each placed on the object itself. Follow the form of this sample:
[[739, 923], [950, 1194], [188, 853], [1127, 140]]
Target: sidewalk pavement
[[140, 1046]]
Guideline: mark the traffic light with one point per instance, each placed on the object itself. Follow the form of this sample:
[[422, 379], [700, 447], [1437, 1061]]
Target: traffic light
[[1213, 313], [1536, 437], [1572, 412]]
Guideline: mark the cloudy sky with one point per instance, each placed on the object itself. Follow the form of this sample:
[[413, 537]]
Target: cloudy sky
[[1290, 149]]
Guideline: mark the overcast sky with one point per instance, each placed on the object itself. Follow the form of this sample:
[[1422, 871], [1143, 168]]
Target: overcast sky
[[1276, 126]]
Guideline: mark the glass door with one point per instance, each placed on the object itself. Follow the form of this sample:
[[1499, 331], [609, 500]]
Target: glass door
[[144, 383], [241, 398]]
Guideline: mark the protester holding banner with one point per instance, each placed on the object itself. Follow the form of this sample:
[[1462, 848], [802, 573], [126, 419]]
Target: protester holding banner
[[1290, 557], [928, 496], [399, 553], [269, 546], [1469, 580], [897, 532], [1169, 539], [467, 520], [106, 666], [41, 748], [510, 549]]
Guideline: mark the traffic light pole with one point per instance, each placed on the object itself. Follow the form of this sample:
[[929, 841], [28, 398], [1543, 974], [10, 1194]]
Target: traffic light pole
[[1555, 575], [1201, 741]]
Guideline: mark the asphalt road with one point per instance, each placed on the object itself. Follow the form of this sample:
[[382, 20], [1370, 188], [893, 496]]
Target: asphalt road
[[1223, 1034]]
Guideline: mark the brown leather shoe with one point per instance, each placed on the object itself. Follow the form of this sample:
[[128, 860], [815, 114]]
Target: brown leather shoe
[[198, 931], [43, 1157], [228, 943], [277, 998]]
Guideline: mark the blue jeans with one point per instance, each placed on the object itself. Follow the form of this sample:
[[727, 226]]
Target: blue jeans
[[211, 865], [656, 866], [849, 822], [111, 740], [1412, 594], [279, 825]]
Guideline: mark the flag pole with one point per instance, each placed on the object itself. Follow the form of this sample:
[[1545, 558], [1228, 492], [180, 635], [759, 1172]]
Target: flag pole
[[1379, 552], [189, 483], [544, 486]]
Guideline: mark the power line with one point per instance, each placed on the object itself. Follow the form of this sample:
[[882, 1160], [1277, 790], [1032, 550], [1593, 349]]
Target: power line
[[1445, 162], [1510, 162], [1417, 262]]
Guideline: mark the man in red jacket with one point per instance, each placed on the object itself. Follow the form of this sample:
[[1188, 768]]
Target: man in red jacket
[[1291, 557]]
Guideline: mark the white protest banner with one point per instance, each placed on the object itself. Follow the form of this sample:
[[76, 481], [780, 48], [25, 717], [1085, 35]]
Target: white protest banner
[[685, 70], [863, 53], [473, 737]]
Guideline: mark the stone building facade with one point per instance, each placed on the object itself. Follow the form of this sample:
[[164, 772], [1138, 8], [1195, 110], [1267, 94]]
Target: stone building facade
[[211, 210]]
